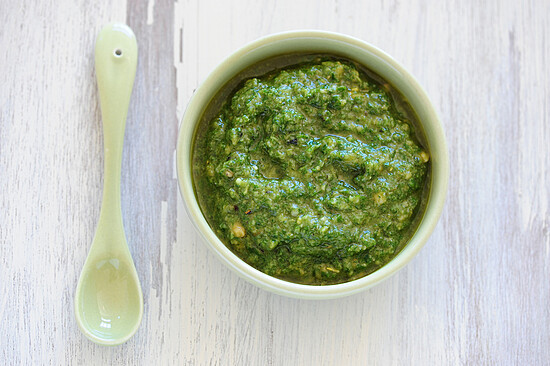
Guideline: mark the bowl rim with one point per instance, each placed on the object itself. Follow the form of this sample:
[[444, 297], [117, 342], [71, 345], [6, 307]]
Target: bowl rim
[[439, 169]]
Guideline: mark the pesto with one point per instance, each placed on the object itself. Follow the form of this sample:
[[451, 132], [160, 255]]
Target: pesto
[[311, 173]]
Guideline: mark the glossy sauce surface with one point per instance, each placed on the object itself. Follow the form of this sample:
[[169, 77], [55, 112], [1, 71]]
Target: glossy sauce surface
[[311, 173]]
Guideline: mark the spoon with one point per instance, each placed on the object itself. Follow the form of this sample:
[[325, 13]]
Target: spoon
[[108, 300]]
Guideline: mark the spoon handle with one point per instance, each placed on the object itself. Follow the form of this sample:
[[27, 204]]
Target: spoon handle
[[115, 65]]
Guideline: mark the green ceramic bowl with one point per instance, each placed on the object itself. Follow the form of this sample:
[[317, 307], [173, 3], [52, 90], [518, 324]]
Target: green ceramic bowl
[[311, 42]]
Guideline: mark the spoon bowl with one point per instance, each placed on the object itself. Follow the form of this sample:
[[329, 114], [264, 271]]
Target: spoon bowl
[[108, 296], [108, 300]]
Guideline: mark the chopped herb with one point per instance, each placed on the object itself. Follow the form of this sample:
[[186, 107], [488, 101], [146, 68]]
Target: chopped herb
[[331, 209]]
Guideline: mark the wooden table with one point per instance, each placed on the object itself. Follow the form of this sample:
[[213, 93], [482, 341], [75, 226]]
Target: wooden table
[[478, 293]]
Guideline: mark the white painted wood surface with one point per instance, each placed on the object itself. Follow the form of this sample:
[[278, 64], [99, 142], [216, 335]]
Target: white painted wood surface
[[478, 293]]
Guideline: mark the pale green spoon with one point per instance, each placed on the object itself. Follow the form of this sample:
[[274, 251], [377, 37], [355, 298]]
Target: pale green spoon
[[108, 300]]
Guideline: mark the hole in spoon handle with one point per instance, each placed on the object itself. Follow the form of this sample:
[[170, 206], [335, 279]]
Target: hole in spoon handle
[[115, 65]]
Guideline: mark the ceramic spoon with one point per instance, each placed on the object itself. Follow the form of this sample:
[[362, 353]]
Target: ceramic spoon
[[108, 300]]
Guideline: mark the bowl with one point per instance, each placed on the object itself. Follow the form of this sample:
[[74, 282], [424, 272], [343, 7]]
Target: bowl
[[315, 42]]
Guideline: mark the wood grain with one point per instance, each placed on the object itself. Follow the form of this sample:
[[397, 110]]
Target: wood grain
[[478, 293]]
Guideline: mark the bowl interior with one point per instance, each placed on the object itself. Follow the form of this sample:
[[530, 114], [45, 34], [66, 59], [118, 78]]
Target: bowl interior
[[315, 42]]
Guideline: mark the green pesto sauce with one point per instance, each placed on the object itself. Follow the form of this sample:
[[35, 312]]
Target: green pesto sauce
[[311, 174]]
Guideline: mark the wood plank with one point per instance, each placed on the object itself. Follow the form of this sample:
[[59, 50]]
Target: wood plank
[[478, 293]]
